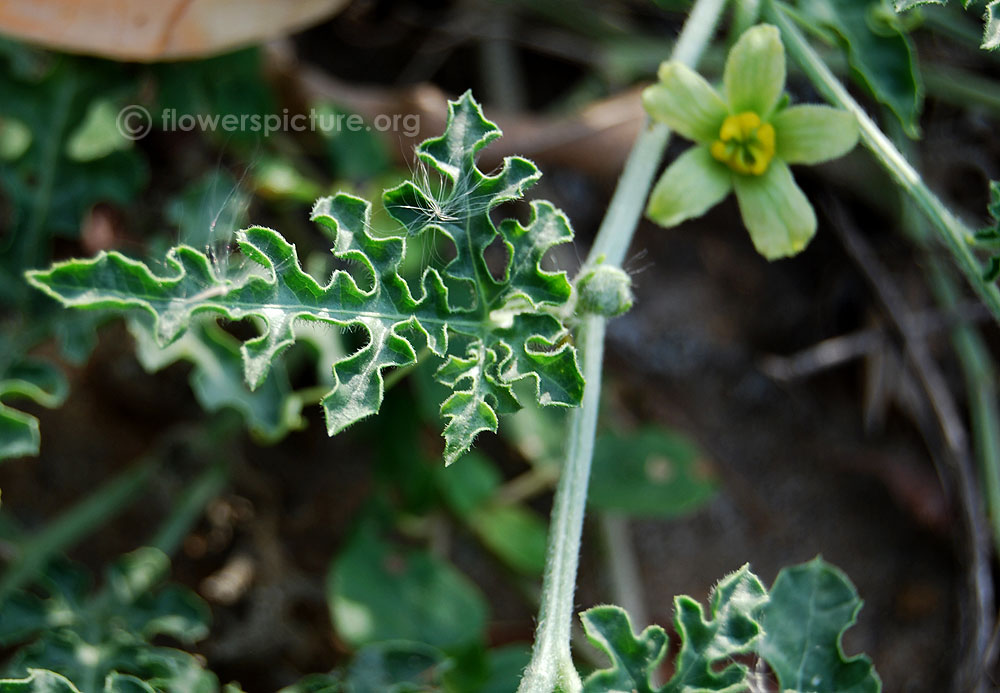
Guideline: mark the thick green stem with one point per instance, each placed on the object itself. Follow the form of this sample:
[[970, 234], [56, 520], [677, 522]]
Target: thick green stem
[[950, 230], [551, 668]]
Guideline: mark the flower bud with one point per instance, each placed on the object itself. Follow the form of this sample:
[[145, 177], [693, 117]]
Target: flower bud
[[604, 290]]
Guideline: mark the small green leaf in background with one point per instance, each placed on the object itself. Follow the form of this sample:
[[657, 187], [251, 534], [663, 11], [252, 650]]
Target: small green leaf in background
[[354, 153], [653, 472], [15, 138], [276, 178], [431, 601], [37, 381], [98, 135], [989, 236], [811, 606], [233, 83], [506, 664], [123, 683], [396, 667], [63, 171], [515, 533], [270, 411], [38, 681], [881, 55], [87, 637], [389, 667]]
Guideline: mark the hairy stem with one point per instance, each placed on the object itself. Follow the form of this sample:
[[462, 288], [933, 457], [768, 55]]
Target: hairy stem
[[952, 232], [551, 668]]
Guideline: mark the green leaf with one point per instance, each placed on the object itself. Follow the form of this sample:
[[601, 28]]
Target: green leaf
[[107, 635], [796, 629], [506, 664], [53, 183], [879, 51], [469, 486], [38, 681], [398, 666], [811, 606], [653, 472], [991, 22], [15, 138], [432, 602], [123, 683], [98, 135], [514, 533], [270, 411], [634, 658], [989, 237], [490, 331], [31, 379], [230, 84], [991, 26], [708, 647]]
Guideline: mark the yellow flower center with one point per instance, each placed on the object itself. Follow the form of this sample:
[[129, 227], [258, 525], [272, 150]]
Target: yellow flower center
[[745, 144]]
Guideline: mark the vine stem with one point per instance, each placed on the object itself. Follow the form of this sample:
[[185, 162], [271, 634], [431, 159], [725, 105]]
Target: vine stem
[[949, 229], [551, 668]]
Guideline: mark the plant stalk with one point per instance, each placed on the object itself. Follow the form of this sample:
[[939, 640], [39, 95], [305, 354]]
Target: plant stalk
[[949, 229], [551, 668]]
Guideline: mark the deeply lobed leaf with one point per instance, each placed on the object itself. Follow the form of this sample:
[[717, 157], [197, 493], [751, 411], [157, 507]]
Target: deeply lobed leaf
[[490, 331], [30, 379], [989, 237], [105, 638], [797, 629]]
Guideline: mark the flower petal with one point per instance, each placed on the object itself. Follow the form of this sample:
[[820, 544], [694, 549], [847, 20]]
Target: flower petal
[[811, 134], [776, 212], [686, 102], [690, 186], [754, 77]]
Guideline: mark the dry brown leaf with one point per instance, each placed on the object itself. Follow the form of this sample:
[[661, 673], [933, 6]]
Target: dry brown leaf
[[162, 30]]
